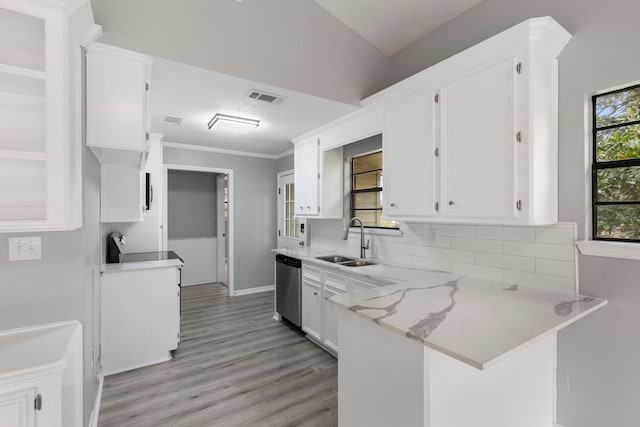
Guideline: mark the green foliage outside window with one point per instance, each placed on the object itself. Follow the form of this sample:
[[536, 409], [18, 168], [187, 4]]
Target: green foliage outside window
[[616, 167]]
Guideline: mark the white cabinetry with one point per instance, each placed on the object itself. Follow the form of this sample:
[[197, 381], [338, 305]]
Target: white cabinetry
[[319, 317], [41, 376], [307, 180], [319, 179], [480, 144], [40, 142], [118, 120], [478, 141], [409, 161], [140, 317]]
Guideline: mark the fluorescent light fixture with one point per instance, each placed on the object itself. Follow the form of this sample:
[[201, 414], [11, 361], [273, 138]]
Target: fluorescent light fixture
[[223, 118]]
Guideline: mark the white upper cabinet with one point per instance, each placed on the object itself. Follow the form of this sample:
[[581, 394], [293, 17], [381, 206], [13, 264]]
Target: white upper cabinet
[[306, 165], [118, 120], [478, 140], [40, 115], [319, 180], [409, 158]]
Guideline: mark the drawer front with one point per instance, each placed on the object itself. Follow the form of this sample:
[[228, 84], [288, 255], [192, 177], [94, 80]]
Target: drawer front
[[335, 280], [310, 272]]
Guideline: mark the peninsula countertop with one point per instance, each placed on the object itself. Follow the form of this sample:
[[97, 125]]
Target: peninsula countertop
[[474, 320]]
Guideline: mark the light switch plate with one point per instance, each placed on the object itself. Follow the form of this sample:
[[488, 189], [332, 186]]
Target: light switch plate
[[25, 248]]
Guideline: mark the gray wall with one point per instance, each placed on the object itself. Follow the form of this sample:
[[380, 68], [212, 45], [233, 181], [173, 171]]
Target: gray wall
[[191, 204], [254, 207], [285, 163], [363, 146], [600, 353], [293, 44]]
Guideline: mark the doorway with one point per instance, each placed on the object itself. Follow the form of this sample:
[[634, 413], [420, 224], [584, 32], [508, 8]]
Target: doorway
[[202, 254]]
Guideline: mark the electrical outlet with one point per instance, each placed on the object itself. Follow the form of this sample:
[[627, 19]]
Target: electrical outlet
[[25, 248]]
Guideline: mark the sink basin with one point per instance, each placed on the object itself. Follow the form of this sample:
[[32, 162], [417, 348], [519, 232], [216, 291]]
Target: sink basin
[[357, 263], [335, 258]]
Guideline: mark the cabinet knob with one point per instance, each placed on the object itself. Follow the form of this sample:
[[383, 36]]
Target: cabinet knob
[[315, 293], [308, 208], [451, 203], [301, 208], [393, 205]]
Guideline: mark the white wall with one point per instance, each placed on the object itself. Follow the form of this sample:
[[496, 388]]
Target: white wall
[[293, 44], [599, 353], [200, 256]]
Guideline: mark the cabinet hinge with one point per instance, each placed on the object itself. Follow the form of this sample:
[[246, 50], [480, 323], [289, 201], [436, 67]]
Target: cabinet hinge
[[436, 98], [146, 86], [279, 191], [436, 152], [437, 206], [318, 176], [519, 136], [519, 68], [519, 205], [37, 403], [318, 209], [279, 233], [147, 136]]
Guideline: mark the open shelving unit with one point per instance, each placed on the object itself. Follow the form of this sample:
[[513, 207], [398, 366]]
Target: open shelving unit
[[23, 118]]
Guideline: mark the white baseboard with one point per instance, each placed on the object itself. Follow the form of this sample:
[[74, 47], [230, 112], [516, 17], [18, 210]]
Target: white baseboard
[[239, 292], [93, 421]]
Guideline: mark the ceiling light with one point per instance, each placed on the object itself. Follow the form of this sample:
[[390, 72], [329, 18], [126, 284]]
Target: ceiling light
[[223, 118]]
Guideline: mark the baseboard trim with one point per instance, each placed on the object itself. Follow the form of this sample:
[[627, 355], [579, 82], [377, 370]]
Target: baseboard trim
[[93, 421], [249, 291]]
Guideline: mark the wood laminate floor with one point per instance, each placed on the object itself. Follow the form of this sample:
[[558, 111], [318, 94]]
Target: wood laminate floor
[[235, 366]]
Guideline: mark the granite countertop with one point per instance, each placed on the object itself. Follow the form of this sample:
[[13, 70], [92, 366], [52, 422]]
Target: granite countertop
[[476, 321], [144, 260]]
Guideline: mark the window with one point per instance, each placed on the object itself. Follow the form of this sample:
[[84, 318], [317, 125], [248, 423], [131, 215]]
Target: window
[[616, 165], [366, 190], [291, 224]]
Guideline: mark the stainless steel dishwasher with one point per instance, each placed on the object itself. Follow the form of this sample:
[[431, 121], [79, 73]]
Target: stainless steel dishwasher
[[289, 288]]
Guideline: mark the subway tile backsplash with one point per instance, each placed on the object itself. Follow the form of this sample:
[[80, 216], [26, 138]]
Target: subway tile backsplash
[[538, 256]]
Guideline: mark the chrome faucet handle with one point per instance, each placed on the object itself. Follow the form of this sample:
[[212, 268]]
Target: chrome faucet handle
[[367, 245]]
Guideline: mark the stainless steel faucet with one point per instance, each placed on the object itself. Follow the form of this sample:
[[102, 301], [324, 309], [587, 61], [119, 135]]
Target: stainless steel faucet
[[363, 247]]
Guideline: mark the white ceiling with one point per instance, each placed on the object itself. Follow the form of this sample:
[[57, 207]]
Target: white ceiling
[[392, 25], [196, 94]]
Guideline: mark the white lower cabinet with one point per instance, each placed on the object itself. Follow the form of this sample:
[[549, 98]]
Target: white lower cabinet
[[41, 376], [312, 309], [319, 316], [140, 317]]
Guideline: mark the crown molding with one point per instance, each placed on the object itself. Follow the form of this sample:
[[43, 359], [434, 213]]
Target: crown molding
[[222, 150]]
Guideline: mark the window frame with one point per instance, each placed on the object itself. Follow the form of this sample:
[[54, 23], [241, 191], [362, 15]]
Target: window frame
[[609, 164], [353, 191]]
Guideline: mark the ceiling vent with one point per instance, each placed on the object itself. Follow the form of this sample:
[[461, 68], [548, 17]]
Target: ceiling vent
[[169, 120], [266, 97]]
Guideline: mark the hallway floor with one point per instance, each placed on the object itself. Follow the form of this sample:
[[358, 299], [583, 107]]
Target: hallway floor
[[235, 366]]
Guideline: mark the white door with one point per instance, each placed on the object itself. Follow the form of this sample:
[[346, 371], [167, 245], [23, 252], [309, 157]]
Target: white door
[[478, 135], [222, 227], [291, 231], [409, 161]]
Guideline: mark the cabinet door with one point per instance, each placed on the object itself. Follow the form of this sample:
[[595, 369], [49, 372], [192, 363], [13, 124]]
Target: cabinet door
[[478, 135], [117, 84], [312, 309], [16, 407], [409, 162], [330, 331], [306, 155]]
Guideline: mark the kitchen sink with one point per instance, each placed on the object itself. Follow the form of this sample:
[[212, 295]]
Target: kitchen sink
[[357, 263], [338, 259]]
